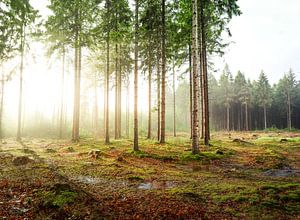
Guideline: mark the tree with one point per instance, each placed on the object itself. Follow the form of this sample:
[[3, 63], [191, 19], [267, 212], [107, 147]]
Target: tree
[[4, 79], [195, 133], [245, 99], [72, 22], [226, 93], [120, 22], [136, 40], [9, 31], [24, 16], [287, 89], [56, 36], [214, 18], [263, 92], [204, 78], [13, 15], [106, 98], [150, 24], [163, 72], [242, 98]]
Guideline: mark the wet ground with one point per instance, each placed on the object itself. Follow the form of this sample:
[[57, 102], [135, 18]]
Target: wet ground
[[230, 180]]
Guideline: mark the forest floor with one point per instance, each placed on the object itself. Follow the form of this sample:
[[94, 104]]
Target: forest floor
[[250, 175]]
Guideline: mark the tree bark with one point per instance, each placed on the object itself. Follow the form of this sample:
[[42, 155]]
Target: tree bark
[[77, 76], [136, 138], [204, 76], [127, 111], [158, 86], [116, 95], [96, 129], [107, 78], [75, 91], [21, 84], [191, 91], [119, 97], [227, 118], [289, 112], [174, 101], [1, 105], [246, 117], [163, 76], [61, 119], [265, 116], [195, 136], [149, 93]]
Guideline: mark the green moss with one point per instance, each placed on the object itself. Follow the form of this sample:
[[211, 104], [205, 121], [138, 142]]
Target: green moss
[[204, 155], [135, 178], [58, 196], [188, 193], [143, 154], [271, 203], [63, 198], [294, 196]]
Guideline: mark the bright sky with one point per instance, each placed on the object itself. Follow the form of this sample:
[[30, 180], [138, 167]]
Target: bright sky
[[266, 37]]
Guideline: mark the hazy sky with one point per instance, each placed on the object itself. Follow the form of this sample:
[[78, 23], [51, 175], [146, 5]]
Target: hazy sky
[[266, 36]]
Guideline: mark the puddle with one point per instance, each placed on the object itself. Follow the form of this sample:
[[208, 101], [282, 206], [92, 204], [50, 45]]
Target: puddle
[[88, 180], [101, 181], [282, 173], [157, 185]]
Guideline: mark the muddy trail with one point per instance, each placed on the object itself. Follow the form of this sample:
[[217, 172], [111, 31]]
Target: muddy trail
[[50, 179]]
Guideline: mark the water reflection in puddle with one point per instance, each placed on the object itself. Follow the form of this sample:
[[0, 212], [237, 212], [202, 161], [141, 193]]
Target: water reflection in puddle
[[157, 185], [282, 173], [88, 179]]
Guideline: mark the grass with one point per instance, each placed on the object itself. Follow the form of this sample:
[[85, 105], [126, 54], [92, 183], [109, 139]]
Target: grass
[[227, 175]]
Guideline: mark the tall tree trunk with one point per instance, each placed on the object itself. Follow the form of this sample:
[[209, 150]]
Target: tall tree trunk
[[246, 117], [77, 67], [201, 93], [75, 91], [191, 91], [1, 104], [149, 93], [238, 118], [242, 118], [202, 100], [78, 91], [227, 118], [265, 116], [174, 101], [127, 111], [289, 112], [61, 118], [158, 87], [116, 95], [163, 75], [107, 79], [204, 76], [195, 137], [21, 84], [136, 39], [119, 96]]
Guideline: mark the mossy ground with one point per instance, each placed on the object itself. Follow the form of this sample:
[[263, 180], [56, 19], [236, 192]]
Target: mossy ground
[[226, 180]]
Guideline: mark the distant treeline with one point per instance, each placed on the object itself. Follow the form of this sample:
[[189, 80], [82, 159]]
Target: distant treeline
[[236, 103]]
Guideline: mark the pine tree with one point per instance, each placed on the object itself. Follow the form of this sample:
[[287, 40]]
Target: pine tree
[[264, 95]]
